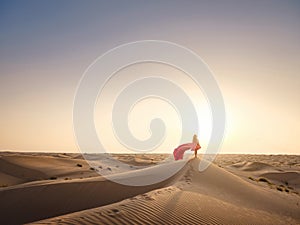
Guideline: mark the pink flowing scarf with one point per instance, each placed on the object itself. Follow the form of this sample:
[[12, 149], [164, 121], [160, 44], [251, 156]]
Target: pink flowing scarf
[[179, 151]]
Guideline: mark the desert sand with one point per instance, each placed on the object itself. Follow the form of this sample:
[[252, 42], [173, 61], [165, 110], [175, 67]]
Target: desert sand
[[43, 188]]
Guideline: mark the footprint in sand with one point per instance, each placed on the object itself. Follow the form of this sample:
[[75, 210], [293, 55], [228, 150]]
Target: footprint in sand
[[114, 212], [147, 197]]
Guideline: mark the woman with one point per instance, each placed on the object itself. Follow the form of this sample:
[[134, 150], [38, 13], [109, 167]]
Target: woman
[[194, 146], [197, 145]]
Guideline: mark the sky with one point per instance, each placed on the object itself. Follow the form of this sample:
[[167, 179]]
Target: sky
[[252, 48]]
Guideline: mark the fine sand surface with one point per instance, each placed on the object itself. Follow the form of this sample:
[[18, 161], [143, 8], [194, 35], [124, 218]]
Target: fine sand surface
[[64, 189]]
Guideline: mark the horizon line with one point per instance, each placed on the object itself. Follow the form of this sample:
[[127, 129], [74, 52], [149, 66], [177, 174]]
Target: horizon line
[[118, 153]]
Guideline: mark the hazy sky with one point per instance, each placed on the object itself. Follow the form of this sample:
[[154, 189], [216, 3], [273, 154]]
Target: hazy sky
[[252, 47]]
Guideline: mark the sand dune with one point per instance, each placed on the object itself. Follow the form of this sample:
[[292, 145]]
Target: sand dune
[[254, 166], [287, 178], [214, 196], [170, 206], [18, 168], [42, 199], [283, 176], [29, 167]]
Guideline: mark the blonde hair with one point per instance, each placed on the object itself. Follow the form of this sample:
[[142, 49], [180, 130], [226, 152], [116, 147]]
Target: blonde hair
[[195, 139]]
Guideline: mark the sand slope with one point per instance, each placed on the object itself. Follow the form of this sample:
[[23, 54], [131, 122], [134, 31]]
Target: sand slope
[[21, 168], [18, 168], [171, 206], [214, 196], [43, 199]]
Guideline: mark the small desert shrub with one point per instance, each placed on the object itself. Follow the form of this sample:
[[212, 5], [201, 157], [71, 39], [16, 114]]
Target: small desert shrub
[[79, 165], [279, 188], [287, 190], [262, 179], [3, 185], [52, 178], [92, 168], [66, 178], [251, 178]]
